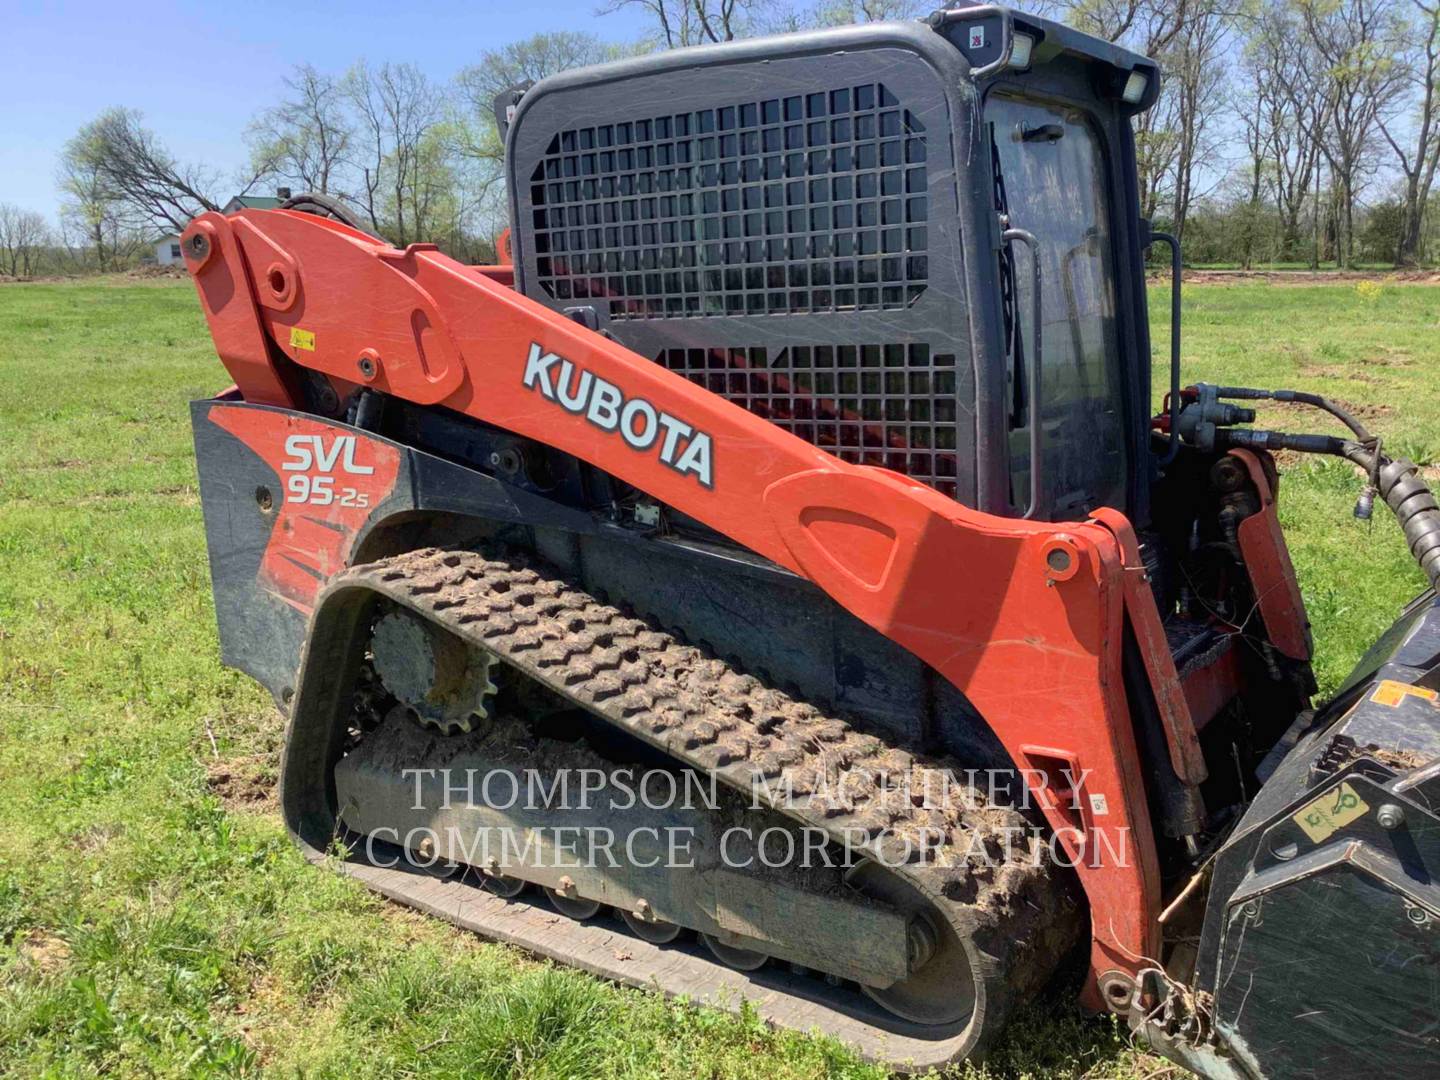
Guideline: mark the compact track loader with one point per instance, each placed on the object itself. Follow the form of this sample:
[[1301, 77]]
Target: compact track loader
[[795, 475]]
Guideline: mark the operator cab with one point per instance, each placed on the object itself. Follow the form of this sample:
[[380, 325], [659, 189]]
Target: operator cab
[[843, 231], [1056, 108]]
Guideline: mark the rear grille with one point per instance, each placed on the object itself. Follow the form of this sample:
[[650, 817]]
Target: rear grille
[[888, 405], [761, 224], [813, 203]]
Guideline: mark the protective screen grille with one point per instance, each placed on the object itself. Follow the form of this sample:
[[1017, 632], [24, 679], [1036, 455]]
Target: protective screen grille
[[803, 204], [887, 405]]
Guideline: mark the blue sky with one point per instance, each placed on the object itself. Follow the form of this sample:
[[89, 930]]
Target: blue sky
[[199, 72]]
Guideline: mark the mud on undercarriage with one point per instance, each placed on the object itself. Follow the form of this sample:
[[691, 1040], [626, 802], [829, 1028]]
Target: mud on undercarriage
[[932, 907]]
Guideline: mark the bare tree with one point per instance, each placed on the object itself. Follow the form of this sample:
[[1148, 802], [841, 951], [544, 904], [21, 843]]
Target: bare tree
[[23, 233], [93, 214], [1157, 147], [1149, 26], [138, 170], [306, 138], [398, 148], [1417, 151], [1346, 50], [693, 22], [717, 18], [477, 141], [528, 61], [1188, 38], [1250, 115], [1199, 87], [782, 17], [1291, 106]]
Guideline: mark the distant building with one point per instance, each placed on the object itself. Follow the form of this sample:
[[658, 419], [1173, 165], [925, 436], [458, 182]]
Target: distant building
[[167, 248], [255, 202]]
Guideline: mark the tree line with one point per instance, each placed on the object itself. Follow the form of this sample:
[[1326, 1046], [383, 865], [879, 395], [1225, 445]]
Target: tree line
[[1287, 131]]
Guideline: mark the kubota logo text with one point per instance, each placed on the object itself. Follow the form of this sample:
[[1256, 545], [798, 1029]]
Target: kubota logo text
[[679, 445]]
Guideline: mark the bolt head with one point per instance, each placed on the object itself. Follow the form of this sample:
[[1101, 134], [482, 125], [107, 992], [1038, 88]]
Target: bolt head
[[1390, 816]]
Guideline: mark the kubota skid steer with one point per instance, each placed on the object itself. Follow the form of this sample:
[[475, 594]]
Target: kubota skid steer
[[801, 456]]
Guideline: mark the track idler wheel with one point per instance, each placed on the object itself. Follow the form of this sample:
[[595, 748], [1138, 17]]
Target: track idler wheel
[[939, 988], [503, 886]]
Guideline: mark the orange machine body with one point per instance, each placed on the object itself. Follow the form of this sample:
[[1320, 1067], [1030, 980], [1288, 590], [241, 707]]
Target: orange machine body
[[1025, 618]]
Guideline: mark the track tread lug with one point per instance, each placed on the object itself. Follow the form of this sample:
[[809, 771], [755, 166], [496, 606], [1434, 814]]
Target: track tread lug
[[728, 722]]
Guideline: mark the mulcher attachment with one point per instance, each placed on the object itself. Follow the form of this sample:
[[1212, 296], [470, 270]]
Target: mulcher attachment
[[1320, 954], [936, 911]]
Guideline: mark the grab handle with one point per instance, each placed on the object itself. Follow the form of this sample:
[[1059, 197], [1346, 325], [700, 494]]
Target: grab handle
[[1028, 239]]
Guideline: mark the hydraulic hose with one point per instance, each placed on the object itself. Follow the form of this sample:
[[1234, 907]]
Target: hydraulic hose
[[1302, 397], [1407, 494], [1398, 482]]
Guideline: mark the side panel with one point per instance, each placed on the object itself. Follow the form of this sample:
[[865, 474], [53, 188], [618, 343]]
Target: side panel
[[268, 565], [290, 499]]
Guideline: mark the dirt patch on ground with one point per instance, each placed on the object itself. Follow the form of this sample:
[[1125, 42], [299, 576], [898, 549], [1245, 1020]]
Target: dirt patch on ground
[[246, 782], [175, 270], [1308, 413], [43, 952], [1334, 371], [95, 837], [1299, 277], [164, 276], [1368, 411]]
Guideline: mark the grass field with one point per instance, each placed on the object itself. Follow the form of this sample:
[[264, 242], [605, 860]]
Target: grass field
[[154, 918]]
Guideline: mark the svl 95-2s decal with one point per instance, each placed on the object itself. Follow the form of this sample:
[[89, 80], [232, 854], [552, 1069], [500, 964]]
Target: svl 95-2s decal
[[679, 445], [333, 479], [309, 454]]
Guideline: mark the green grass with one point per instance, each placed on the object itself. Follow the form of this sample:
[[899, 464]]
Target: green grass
[[1376, 351], [148, 926]]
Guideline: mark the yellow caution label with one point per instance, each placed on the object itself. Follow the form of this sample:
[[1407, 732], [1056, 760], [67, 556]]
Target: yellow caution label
[[1331, 811], [1393, 693], [302, 339]]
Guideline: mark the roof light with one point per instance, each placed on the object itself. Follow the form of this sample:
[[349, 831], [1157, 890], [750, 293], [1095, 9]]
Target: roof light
[[1135, 87], [1020, 47]]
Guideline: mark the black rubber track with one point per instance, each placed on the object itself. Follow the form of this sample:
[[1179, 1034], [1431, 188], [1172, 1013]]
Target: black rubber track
[[988, 877]]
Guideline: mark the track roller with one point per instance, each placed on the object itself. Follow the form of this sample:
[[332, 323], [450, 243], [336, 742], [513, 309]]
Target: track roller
[[500, 885], [646, 927], [570, 904], [733, 956]]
